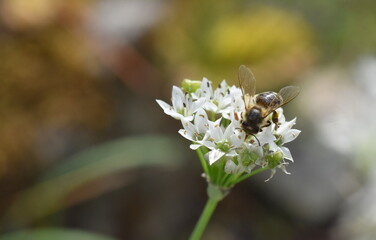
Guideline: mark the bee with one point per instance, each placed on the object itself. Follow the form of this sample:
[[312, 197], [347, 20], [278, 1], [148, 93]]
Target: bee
[[259, 106]]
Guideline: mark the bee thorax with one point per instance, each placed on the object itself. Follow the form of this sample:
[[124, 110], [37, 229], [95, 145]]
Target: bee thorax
[[254, 115]]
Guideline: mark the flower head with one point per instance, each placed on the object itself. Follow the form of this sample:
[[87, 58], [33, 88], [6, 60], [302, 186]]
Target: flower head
[[211, 121]]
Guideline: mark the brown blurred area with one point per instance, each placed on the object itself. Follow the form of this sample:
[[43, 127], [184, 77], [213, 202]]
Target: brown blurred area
[[78, 74], [51, 100]]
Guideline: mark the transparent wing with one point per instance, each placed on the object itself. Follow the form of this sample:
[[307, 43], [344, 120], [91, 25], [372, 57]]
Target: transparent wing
[[247, 84], [287, 94], [247, 80]]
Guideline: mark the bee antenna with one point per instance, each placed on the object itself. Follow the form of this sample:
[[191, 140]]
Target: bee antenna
[[256, 139]]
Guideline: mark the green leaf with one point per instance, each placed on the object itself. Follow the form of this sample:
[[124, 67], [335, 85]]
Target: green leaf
[[55, 234], [55, 190]]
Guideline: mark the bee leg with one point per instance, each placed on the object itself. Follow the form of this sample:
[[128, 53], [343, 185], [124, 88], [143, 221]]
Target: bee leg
[[268, 123], [275, 119]]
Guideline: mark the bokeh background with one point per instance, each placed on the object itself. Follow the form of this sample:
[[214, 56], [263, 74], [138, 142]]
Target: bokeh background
[[86, 153]]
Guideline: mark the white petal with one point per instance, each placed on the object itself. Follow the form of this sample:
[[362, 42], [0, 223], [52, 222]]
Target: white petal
[[169, 110], [163, 105], [185, 134], [256, 149], [223, 85], [216, 130], [214, 155], [290, 135], [209, 144], [189, 127], [225, 115], [285, 127], [177, 98], [181, 117], [286, 153], [281, 117], [232, 153], [195, 146], [201, 121], [196, 105], [237, 103], [266, 136], [224, 102], [196, 95], [230, 167], [206, 88], [273, 146], [210, 107], [237, 139], [229, 131]]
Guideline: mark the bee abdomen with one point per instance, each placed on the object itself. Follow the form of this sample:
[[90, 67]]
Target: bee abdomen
[[268, 99]]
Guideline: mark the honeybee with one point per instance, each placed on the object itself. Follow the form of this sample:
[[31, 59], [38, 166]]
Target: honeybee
[[259, 106]]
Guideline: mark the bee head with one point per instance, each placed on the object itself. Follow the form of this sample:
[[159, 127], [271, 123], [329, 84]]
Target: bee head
[[250, 128]]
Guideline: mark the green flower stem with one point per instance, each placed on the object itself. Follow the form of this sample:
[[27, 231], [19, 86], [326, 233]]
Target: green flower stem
[[203, 161], [231, 180], [259, 170], [210, 206], [220, 173], [225, 179]]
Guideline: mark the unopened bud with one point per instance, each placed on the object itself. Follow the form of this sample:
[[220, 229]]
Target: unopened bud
[[248, 157], [274, 159], [190, 86]]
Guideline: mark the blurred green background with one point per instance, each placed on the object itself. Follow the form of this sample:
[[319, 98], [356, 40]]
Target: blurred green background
[[86, 153]]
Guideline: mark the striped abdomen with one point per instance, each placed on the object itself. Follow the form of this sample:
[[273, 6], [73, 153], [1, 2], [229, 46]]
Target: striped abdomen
[[268, 99]]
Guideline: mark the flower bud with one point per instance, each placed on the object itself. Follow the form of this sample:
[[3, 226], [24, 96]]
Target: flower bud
[[224, 146], [274, 159], [190, 86], [248, 157]]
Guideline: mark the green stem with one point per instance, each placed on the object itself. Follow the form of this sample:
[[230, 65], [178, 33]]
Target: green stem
[[204, 219], [232, 180], [219, 171], [259, 170], [225, 179], [203, 161]]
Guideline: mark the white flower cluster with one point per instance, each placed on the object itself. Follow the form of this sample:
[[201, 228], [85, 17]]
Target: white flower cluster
[[211, 119]]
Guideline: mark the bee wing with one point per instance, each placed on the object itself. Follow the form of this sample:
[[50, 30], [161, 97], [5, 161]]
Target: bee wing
[[247, 82], [287, 94]]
